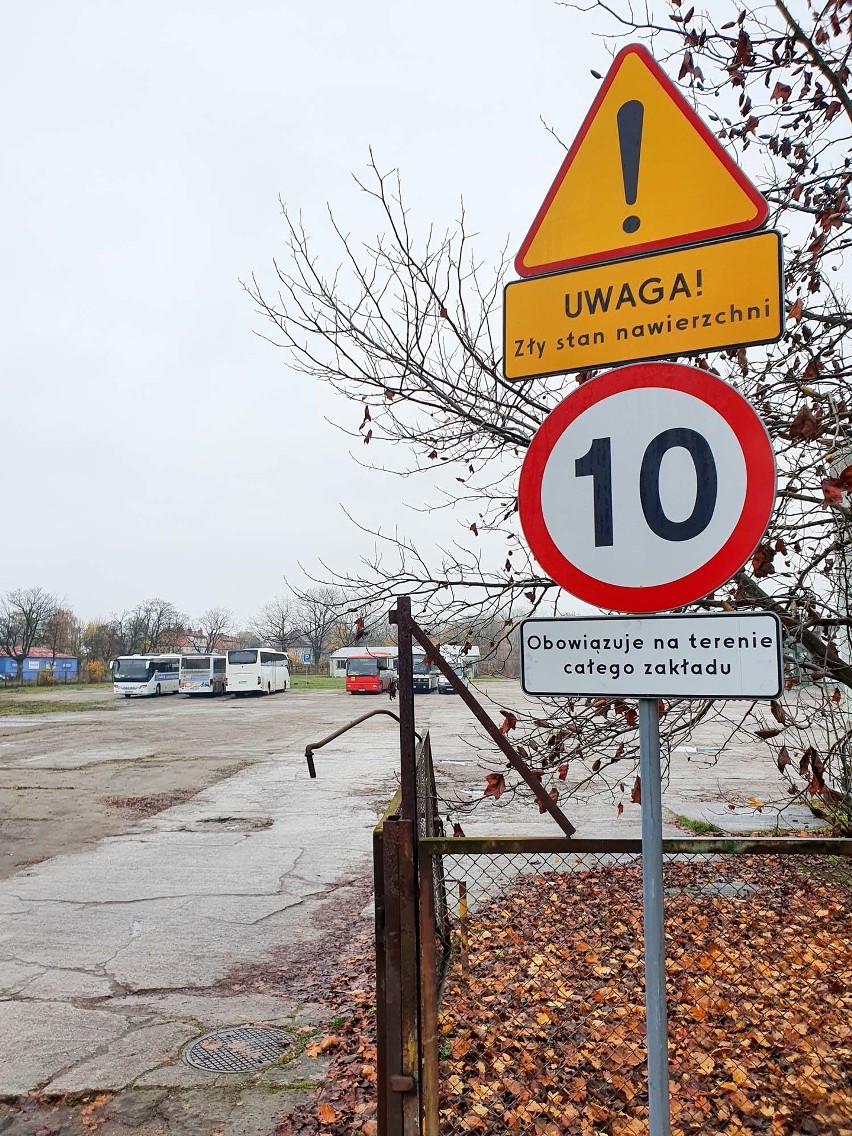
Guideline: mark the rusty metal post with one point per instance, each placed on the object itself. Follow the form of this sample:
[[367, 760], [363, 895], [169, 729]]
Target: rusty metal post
[[381, 984], [401, 616], [429, 1064], [390, 1047], [408, 1081]]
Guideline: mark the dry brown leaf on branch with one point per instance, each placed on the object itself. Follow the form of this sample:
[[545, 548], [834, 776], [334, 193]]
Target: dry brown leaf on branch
[[509, 722], [778, 712], [805, 426], [495, 785]]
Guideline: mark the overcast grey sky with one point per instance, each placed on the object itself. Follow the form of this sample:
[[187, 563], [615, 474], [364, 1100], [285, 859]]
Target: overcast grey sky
[[152, 443]]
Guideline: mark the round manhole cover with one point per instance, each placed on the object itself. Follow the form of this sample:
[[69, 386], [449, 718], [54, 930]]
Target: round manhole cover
[[237, 1050]]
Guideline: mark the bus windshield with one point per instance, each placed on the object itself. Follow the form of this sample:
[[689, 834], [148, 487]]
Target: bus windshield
[[422, 668], [236, 657], [132, 670], [196, 663], [362, 666]]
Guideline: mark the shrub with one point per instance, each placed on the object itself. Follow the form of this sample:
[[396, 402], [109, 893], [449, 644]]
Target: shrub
[[94, 671]]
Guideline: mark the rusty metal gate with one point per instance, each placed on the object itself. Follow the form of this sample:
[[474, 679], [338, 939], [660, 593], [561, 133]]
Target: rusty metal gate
[[509, 977]]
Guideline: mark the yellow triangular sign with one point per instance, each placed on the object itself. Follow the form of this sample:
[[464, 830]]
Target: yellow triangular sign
[[644, 173]]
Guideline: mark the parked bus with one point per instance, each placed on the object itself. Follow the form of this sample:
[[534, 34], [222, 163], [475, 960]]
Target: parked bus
[[257, 670], [141, 675], [369, 674], [203, 674]]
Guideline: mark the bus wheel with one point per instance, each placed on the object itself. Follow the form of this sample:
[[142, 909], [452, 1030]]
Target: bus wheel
[[158, 691]]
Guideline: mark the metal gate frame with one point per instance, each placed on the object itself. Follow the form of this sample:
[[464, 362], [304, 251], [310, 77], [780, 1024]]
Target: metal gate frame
[[412, 923], [408, 898]]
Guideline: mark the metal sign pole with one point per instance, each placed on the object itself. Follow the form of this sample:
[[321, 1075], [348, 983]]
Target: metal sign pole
[[659, 1121]]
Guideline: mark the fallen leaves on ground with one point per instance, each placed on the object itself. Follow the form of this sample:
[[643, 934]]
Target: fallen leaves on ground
[[545, 1032], [153, 803], [89, 1113], [346, 1102], [543, 1035]]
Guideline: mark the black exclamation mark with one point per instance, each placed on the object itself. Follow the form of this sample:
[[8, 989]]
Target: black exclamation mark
[[629, 118]]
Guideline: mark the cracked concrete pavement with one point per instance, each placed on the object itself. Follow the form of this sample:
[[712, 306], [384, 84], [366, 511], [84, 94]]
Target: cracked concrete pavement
[[100, 946], [112, 953]]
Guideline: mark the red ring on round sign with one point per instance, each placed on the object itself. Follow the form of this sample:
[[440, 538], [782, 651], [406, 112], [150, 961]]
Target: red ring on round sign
[[746, 534]]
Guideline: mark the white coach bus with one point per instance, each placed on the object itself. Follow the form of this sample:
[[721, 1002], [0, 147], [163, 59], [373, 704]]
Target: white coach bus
[[203, 674], [141, 675], [257, 670]]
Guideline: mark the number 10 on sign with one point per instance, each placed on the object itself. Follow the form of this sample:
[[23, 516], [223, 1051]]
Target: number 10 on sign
[[647, 488]]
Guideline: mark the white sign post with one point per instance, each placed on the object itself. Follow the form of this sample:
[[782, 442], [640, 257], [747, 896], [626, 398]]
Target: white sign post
[[645, 490]]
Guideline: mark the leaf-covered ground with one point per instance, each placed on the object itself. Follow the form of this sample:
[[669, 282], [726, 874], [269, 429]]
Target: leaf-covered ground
[[542, 1020], [346, 1102], [544, 1031]]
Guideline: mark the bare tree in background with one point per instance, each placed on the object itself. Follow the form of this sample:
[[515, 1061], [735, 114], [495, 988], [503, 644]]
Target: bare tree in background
[[24, 615], [273, 624], [152, 626], [318, 613], [63, 633], [407, 327], [213, 626]]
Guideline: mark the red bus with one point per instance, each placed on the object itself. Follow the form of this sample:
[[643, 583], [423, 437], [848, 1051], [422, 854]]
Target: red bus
[[369, 674]]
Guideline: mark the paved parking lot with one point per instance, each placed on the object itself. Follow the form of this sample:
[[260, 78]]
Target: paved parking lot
[[152, 848]]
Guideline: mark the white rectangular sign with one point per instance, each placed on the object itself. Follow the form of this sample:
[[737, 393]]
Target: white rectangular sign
[[729, 655]]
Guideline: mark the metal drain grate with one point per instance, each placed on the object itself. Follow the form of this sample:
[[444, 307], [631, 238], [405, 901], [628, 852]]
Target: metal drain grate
[[237, 1050]]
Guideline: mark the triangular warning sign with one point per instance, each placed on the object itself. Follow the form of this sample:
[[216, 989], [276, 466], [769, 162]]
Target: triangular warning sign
[[644, 173]]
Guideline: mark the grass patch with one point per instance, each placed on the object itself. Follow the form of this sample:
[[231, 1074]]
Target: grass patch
[[14, 708], [699, 827], [298, 1047], [317, 682]]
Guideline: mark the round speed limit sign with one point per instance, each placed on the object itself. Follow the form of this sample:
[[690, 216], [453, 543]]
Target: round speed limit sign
[[647, 488]]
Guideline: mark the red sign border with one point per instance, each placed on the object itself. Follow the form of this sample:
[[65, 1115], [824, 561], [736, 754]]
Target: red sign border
[[746, 535], [685, 239]]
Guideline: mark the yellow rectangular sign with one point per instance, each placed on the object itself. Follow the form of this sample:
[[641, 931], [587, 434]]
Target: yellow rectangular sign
[[682, 302]]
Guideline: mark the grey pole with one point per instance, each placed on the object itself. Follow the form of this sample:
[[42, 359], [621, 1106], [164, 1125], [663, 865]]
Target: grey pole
[[659, 1122]]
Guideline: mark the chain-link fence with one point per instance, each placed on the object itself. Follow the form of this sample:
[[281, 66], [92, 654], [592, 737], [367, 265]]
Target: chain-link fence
[[510, 982], [540, 1025]]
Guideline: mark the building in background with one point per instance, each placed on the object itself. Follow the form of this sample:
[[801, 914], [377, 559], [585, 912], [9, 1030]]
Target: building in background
[[389, 651], [337, 659], [64, 667]]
